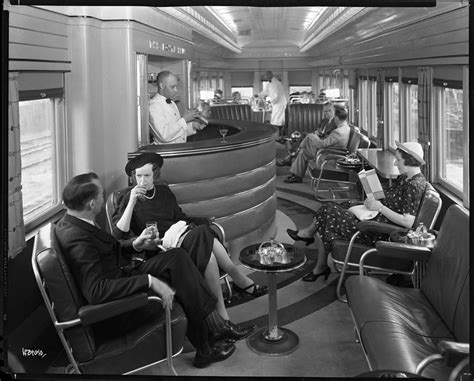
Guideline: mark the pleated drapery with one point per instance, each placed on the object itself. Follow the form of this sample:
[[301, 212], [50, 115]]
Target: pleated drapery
[[16, 227], [380, 106], [425, 105]]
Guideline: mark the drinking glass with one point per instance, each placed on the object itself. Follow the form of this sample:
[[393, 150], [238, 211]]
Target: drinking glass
[[223, 131], [152, 228]]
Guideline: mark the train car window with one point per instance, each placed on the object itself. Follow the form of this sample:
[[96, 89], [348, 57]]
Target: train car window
[[42, 153], [392, 112], [411, 112], [450, 138], [300, 89], [245, 92]]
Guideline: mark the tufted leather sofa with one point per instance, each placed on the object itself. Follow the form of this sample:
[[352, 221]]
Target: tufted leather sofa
[[303, 117], [231, 112], [399, 327]]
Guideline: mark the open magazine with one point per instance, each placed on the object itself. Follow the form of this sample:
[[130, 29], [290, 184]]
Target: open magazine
[[371, 183]]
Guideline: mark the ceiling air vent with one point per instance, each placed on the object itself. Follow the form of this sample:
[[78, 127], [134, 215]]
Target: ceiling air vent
[[245, 32]]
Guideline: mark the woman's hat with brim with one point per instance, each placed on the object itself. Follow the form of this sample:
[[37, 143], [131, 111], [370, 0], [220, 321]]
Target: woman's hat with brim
[[413, 149], [141, 160]]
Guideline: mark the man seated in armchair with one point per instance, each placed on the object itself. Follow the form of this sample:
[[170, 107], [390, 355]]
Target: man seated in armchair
[[308, 149], [105, 271], [324, 129]]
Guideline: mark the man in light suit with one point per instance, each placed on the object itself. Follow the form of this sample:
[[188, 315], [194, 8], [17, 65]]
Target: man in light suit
[[337, 138], [167, 126], [105, 271], [325, 127]]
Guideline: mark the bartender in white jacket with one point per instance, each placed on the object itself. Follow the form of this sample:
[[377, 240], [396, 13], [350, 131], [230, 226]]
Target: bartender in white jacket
[[165, 121], [274, 90]]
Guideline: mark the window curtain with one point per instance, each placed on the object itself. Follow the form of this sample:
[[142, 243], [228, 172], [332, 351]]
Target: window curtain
[[16, 227], [380, 106], [425, 91]]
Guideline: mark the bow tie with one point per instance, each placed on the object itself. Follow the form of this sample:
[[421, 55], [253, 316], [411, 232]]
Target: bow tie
[[168, 100]]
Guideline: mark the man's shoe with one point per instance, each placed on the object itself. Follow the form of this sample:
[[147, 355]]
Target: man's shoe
[[293, 179], [219, 352], [231, 331], [284, 162]]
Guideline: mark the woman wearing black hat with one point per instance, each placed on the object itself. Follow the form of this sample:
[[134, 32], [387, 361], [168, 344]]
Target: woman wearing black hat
[[149, 202]]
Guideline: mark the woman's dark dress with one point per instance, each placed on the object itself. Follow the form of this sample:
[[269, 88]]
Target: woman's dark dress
[[164, 209], [334, 221]]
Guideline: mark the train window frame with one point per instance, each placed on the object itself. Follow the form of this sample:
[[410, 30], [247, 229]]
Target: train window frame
[[440, 127], [59, 155]]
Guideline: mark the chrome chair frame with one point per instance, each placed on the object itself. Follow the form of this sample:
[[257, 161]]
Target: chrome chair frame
[[325, 157]]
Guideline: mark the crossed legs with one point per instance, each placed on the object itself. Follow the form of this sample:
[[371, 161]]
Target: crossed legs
[[220, 259]]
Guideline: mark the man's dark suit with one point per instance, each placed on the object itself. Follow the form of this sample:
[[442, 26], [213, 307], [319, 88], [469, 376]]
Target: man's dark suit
[[104, 271]]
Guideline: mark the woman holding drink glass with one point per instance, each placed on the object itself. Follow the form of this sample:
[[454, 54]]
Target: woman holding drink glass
[[148, 202]]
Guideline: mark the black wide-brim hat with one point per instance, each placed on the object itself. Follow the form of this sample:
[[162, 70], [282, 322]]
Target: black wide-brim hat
[[141, 160]]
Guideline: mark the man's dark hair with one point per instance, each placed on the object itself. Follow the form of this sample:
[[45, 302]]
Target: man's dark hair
[[340, 112], [409, 160], [80, 190]]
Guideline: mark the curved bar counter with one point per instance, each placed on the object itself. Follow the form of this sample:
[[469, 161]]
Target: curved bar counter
[[233, 181]]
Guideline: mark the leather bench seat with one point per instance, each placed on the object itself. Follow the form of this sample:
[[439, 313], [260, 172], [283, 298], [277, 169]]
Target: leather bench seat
[[399, 327], [231, 112], [393, 347]]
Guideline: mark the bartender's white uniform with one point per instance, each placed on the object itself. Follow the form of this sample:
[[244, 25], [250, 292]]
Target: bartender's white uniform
[[274, 90], [166, 123]]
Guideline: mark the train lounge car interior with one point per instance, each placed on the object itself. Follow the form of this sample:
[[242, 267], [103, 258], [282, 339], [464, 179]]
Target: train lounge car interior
[[80, 78]]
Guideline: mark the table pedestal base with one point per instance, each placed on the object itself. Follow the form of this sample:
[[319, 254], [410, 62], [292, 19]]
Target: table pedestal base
[[260, 344]]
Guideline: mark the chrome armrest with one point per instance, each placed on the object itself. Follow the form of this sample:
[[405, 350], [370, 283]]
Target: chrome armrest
[[94, 313]]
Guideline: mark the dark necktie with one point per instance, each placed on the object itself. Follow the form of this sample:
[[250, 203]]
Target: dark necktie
[[168, 100]]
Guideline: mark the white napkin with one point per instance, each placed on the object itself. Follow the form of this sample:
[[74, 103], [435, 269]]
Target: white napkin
[[172, 235]]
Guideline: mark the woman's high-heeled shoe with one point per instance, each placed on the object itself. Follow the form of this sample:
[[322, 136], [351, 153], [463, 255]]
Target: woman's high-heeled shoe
[[312, 277], [294, 235], [256, 292]]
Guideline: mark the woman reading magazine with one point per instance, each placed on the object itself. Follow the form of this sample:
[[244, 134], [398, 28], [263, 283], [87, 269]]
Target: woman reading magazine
[[335, 221]]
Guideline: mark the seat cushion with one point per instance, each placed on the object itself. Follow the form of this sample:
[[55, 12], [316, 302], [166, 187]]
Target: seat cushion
[[139, 346], [390, 346], [371, 299]]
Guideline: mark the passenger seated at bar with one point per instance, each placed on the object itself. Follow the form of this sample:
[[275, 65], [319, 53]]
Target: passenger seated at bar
[[236, 98], [326, 125], [104, 271], [308, 149], [218, 96], [304, 98], [167, 126], [149, 202], [334, 221]]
